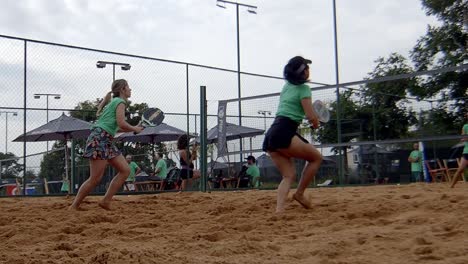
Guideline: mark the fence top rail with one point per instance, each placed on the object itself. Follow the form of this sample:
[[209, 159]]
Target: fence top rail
[[135, 56], [375, 80]]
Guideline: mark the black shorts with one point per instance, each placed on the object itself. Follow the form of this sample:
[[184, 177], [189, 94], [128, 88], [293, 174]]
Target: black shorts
[[465, 155], [186, 174], [280, 134]]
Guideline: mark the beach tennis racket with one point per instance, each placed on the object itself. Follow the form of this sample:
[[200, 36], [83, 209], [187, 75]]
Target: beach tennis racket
[[151, 117], [321, 110]]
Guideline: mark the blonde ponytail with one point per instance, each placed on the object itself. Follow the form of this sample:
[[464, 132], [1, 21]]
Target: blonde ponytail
[[116, 88], [103, 103]]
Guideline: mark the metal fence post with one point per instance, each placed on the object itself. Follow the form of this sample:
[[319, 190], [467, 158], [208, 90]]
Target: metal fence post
[[203, 134]]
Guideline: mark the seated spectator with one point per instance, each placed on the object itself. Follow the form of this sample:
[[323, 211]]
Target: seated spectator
[[243, 178], [253, 171], [216, 180], [160, 171]]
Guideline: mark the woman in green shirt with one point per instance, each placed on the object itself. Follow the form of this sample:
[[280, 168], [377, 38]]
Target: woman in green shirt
[[464, 159], [282, 141], [100, 145]]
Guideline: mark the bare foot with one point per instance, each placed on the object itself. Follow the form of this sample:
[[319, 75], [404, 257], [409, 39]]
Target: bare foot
[[105, 206], [74, 208], [280, 211], [303, 201]]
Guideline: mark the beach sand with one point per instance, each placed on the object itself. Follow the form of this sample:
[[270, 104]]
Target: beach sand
[[417, 223]]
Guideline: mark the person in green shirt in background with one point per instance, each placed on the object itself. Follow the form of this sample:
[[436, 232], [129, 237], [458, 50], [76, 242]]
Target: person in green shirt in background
[[134, 169], [464, 158], [415, 158], [160, 171], [161, 166], [253, 171]]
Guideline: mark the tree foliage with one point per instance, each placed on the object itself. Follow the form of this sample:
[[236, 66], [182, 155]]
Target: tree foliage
[[444, 45], [9, 165], [53, 163], [386, 100]]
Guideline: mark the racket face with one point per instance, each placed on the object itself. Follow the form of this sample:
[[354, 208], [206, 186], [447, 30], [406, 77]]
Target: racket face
[[322, 111], [152, 117]]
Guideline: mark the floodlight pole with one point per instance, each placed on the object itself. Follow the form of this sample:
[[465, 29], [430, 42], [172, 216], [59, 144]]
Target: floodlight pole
[[251, 9], [338, 110], [6, 128], [264, 113], [102, 64], [47, 95]]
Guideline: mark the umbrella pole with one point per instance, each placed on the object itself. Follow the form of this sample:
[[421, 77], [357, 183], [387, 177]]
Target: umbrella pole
[[152, 157], [66, 167]]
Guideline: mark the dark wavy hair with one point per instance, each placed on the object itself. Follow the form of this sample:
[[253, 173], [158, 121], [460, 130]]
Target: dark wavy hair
[[182, 142], [294, 71]]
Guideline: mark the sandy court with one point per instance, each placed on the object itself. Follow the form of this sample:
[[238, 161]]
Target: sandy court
[[415, 223]]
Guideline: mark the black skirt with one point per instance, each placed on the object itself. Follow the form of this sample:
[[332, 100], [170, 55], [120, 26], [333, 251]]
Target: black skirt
[[280, 134]]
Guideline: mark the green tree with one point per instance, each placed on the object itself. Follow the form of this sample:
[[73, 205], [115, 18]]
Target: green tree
[[53, 163], [9, 167], [386, 100], [134, 113], [444, 45], [350, 120], [86, 110]]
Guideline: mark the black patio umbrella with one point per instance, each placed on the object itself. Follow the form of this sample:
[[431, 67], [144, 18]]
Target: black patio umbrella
[[62, 128], [233, 132], [161, 133]]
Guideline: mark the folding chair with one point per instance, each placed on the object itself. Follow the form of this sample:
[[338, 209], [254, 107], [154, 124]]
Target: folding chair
[[437, 174], [450, 170]]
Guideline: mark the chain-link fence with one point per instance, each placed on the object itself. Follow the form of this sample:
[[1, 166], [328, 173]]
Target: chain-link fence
[[369, 142], [41, 81]]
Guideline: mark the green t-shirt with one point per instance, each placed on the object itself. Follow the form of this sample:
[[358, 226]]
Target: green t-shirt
[[465, 132], [253, 171], [133, 168], [290, 101], [108, 120], [417, 165], [163, 169]]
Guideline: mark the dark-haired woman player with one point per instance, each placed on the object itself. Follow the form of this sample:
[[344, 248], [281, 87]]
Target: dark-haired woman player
[[282, 141]]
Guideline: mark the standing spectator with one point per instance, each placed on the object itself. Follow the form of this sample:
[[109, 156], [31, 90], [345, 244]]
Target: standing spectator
[[415, 158]]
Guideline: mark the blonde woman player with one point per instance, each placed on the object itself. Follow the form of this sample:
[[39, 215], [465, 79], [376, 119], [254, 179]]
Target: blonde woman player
[[100, 145], [464, 158], [282, 141]]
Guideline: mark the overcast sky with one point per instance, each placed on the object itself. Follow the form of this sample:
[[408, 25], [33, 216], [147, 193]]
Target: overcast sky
[[197, 31]]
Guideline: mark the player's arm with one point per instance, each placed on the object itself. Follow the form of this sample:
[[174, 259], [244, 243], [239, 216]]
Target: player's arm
[[158, 169], [465, 138], [123, 125], [309, 111]]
